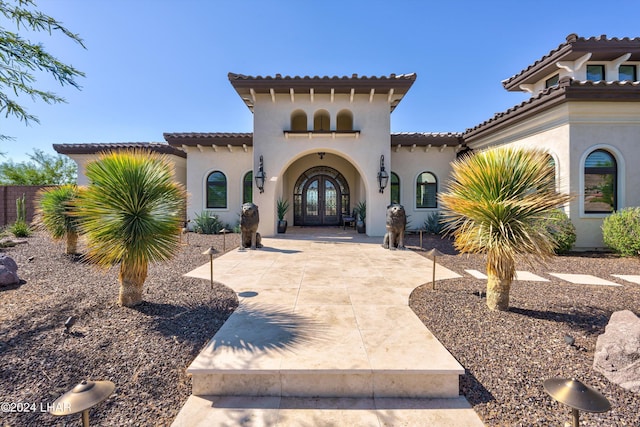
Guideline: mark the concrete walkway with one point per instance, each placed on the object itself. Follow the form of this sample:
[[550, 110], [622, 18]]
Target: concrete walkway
[[323, 335]]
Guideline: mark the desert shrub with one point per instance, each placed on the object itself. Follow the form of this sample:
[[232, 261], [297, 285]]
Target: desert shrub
[[621, 231], [433, 223], [207, 223], [560, 227], [20, 229]]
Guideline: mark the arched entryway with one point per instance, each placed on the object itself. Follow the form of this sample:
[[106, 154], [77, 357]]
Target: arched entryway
[[321, 195]]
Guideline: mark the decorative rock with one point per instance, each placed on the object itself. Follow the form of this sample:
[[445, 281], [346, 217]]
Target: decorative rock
[[617, 354], [8, 271]]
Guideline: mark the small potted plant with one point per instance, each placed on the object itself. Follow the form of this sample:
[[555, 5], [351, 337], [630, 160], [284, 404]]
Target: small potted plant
[[361, 212], [282, 207]]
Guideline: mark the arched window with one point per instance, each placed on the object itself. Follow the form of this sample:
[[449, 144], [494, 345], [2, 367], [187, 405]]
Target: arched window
[[321, 121], [216, 190], [426, 189], [395, 188], [344, 121], [299, 120], [600, 182], [247, 187]]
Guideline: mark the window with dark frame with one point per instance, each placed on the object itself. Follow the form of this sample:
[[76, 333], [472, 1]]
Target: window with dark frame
[[552, 81], [216, 190], [395, 188], [426, 190], [600, 183], [247, 188], [595, 73], [627, 73]]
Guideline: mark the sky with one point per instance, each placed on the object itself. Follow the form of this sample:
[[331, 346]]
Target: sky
[[155, 66]]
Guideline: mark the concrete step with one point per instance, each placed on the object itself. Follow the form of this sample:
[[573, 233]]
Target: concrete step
[[219, 411], [263, 350]]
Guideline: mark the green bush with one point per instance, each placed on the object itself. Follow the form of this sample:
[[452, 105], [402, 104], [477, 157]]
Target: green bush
[[560, 227], [207, 223], [433, 223], [621, 231], [20, 229]]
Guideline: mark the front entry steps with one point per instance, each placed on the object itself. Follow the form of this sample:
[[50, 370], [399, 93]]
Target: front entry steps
[[323, 330], [218, 411]]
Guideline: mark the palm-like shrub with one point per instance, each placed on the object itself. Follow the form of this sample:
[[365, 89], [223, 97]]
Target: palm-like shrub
[[493, 205], [54, 214], [131, 214]]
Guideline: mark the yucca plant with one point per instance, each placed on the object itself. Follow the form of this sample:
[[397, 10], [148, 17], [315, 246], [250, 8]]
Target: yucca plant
[[54, 214], [131, 214], [492, 206]]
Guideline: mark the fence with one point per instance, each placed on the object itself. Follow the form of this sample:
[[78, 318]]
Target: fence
[[8, 196]]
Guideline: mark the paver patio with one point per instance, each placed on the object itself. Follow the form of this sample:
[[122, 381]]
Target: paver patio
[[323, 331]]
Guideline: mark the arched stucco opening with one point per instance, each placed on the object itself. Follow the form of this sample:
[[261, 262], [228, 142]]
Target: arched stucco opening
[[344, 120], [298, 121], [321, 121]]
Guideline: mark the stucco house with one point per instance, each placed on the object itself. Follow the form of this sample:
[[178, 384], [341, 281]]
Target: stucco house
[[324, 143]]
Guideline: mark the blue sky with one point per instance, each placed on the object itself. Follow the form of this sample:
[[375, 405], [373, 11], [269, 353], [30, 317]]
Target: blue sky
[[155, 66]]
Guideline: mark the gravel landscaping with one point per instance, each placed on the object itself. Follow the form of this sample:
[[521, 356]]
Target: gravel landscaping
[[508, 355], [146, 350]]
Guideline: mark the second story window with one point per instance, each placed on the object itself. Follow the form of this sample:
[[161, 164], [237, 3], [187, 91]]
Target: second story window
[[595, 73], [627, 72], [299, 121], [552, 81]]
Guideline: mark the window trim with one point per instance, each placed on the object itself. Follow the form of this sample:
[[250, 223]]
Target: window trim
[[552, 81], [415, 193], [620, 179], [242, 185], [602, 67], [206, 191], [635, 72], [399, 187]]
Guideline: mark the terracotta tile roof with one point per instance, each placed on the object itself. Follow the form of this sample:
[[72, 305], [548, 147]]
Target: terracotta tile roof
[[601, 47], [566, 90], [426, 138], [209, 138], [95, 148], [399, 84]]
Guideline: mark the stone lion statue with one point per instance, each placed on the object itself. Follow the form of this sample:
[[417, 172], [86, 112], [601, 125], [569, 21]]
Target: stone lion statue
[[249, 220], [396, 223]]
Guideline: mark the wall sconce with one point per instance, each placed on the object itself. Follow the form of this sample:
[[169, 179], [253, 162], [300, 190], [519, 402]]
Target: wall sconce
[[383, 176], [260, 176]]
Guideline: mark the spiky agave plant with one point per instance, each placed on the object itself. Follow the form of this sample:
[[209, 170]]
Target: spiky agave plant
[[53, 213], [492, 205], [132, 214]]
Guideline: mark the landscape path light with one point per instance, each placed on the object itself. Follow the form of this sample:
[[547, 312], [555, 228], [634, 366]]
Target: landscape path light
[[434, 253], [224, 232], [210, 252], [577, 396], [81, 398]]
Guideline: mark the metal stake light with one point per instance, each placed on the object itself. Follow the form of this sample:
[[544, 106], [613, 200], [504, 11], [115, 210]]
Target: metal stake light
[[81, 398], [434, 253], [210, 252], [577, 396]]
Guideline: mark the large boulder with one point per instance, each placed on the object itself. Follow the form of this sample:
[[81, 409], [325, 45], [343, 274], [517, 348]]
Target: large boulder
[[8, 271], [617, 354]]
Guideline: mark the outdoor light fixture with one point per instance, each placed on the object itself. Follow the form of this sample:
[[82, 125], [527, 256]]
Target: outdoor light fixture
[[260, 176], [433, 253], [81, 398], [321, 154], [224, 232], [68, 324], [210, 252], [383, 176], [577, 396]]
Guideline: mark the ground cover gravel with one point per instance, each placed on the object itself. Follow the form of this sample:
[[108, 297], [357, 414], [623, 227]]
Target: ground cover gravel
[[145, 351], [508, 355]]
